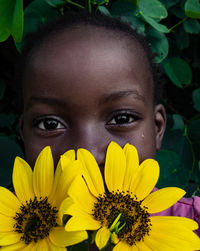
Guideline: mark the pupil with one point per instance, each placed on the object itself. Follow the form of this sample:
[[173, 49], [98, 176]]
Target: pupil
[[122, 119], [50, 124]]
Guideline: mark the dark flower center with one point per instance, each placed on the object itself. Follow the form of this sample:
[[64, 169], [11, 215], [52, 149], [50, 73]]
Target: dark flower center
[[35, 220], [133, 223]]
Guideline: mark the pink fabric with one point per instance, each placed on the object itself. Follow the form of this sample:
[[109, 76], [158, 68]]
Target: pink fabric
[[185, 207]]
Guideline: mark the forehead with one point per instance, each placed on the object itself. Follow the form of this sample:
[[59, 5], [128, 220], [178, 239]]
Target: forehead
[[90, 55]]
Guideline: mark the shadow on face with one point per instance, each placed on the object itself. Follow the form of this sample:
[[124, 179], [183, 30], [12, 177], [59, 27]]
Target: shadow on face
[[87, 87]]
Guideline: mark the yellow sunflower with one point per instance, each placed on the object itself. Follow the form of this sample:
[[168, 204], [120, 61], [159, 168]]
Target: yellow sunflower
[[121, 212], [31, 220]]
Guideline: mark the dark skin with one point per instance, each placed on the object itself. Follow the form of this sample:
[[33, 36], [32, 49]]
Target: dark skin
[[85, 88]]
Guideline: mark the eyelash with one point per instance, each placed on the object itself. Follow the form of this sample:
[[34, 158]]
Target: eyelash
[[123, 115], [40, 124], [126, 117]]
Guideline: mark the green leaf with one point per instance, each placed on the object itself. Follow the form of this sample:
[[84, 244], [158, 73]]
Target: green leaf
[[126, 11], [192, 8], [153, 9], [122, 7], [169, 3], [159, 27], [55, 3], [196, 99], [159, 43], [178, 164], [9, 150], [104, 10], [192, 26], [36, 14], [11, 19], [178, 122], [169, 162], [178, 71], [182, 38]]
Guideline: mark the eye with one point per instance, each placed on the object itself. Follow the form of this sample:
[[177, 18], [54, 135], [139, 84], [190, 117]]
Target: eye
[[48, 124], [122, 119]]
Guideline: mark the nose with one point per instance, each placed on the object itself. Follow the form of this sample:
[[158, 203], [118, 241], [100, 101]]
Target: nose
[[93, 138]]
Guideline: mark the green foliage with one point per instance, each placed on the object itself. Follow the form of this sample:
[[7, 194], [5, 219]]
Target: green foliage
[[171, 27], [11, 19]]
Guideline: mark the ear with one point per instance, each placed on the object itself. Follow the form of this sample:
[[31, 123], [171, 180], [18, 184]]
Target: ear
[[160, 124], [21, 127]]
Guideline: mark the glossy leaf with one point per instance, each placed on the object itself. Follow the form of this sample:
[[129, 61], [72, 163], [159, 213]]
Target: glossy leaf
[[196, 99], [37, 13], [178, 122], [104, 10], [55, 3], [159, 44], [11, 19], [192, 8], [155, 24], [178, 71], [127, 12], [192, 26], [153, 9]]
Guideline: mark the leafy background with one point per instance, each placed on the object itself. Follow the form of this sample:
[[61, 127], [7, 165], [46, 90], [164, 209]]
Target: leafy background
[[172, 28]]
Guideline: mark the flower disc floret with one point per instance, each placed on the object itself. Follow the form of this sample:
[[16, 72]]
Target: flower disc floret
[[121, 212], [134, 222], [31, 218], [35, 220]]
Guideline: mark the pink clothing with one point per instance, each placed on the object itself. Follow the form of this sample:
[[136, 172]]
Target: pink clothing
[[185, 207]]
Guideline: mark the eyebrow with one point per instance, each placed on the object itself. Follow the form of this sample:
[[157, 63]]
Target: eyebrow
[[121, 94], [44, 100]]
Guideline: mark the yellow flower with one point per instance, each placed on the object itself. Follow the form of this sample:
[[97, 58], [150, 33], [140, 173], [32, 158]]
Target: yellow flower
[[121, 211], [31, 220]]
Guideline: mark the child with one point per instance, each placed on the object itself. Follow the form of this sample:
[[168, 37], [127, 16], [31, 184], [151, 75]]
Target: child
[[87, 81]]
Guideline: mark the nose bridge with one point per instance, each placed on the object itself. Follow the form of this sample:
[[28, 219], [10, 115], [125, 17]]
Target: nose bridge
[[91, 137]]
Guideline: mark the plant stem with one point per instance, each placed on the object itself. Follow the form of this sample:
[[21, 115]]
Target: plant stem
[[89, 6], [75, 4], [180, 22]]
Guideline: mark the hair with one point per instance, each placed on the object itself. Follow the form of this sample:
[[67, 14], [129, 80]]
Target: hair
[[33, 42]]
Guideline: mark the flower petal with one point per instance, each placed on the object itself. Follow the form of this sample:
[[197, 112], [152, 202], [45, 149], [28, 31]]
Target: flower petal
[[175, 231], [43, 174], [17, 246], [70, 154], [173, 221], [92, 174], [122, 246], [53, 195], [9, 204], [6, 223], [42, 245], [162, 199], [23, 180], [61, 238], [79, 223], [102, 237], [142, 246], [52, 247], [80, 194], [132, 166], [69, 171], [115, 167], [63, 207], [8, 238], [146, 179]]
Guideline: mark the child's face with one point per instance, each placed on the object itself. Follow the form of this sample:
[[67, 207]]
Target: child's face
[[85, 91]]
